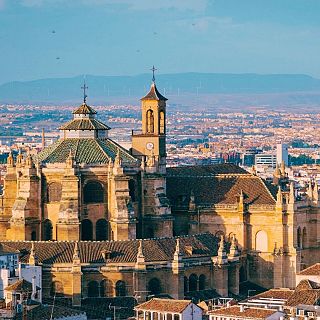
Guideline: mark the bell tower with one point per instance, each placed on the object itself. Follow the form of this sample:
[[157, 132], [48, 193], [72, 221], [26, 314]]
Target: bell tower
[[149, 145], [151, 140]]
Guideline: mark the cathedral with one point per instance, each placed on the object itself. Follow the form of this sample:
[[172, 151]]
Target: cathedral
[[104, 221]]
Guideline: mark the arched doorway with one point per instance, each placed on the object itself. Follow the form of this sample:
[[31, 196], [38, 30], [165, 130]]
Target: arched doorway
[[154, 286], [93, 192], [86, 230], [101, 230], [93, 289], [47, 230], [193, 282]]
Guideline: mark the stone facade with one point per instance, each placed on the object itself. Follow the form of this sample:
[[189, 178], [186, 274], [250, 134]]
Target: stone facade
[[86, 187]]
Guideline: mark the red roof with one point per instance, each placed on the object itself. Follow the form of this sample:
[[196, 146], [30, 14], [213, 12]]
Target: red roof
[[165, 305]]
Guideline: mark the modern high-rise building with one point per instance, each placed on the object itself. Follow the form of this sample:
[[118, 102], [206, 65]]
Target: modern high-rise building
[[282, 153]]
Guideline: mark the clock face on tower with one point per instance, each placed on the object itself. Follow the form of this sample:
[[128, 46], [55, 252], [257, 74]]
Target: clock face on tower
[[149, 146]]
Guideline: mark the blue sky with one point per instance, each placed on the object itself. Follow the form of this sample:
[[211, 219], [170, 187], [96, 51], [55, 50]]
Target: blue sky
[[124, 37]]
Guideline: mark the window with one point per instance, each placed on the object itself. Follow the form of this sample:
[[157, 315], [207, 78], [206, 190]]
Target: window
[[262, 241], [120, 289], [101, 230], [193, 282], [202, 282], [47, 230], [93, 192], [86, 230], [154, 286], [161, 122], [150, 121]]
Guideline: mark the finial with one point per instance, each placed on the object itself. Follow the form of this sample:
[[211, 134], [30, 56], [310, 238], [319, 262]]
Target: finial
[[76, 253], [234, 247], [32, 257], [84, 88], [153, 69]]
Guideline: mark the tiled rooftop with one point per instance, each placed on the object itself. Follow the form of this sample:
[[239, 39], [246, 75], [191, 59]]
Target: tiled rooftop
[[84, 150], [164, 305], [154, 94], [313, 270], [161, 249], [217, 184], [247, 313], [84, 124]]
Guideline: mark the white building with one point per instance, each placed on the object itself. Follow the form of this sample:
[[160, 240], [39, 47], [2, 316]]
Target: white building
[[168, 309], [265, 160]]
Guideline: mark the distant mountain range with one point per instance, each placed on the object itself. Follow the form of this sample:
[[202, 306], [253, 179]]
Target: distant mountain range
[[128, 89]]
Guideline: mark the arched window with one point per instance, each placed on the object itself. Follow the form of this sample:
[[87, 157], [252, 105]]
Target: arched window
[[262, 241], [161, 122], [299, 238], [202, 282], [304, 238], [56, 289], [132, 190], [47, 230], [93, 192], [54, 192], [33, 236], [193, 282], [86, 230], [185, 284], [150, 121], [121, 289], [93, 289], [101, 230], [154, 286]]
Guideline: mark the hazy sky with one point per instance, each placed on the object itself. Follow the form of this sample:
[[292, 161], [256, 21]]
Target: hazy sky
[[117, 37]]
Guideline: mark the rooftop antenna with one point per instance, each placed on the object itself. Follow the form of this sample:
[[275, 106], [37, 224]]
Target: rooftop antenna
[[153, 69], [84, 88]]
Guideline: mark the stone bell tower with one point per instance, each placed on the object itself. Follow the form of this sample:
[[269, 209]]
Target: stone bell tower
[[149, 145]]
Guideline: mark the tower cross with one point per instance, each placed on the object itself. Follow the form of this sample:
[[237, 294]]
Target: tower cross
[[153, 69], [84, 88]]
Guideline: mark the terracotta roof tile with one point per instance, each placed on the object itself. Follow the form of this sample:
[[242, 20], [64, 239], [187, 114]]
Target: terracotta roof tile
[[247, 313], [275, 294], [161, 249], [168, 305], [307, 292], [313, 270], [20, 286], [216, 184]]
